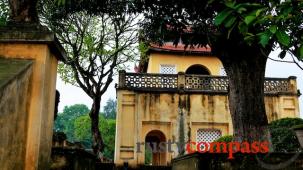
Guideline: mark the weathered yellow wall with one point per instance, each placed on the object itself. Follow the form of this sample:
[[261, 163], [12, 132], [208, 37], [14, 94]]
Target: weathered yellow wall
[[13, 121], [141, 112], [182, 62], [41, 103], [283, 106]]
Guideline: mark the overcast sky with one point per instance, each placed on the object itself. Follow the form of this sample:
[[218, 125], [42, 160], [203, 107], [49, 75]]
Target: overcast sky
[[73, 95]]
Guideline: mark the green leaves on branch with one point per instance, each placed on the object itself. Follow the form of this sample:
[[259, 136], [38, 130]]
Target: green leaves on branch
[[282, 37], [263, 24], [4, 12], [222, 16], [249, 19], [273, 29], [242, 15], [264, 38]]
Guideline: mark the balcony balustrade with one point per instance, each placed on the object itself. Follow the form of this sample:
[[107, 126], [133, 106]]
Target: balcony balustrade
[[196, 83]]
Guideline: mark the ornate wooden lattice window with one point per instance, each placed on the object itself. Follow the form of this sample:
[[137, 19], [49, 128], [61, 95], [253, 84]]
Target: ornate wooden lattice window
[[168, 69]]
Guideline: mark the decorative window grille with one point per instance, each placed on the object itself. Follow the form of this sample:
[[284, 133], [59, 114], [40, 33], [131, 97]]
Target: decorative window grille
[[168, 69], [222, 72], [208, 135]]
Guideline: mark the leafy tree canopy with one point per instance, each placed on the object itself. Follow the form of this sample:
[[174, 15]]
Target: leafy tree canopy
[[65, 120], [110, 109], [75, 110], [265, 23], [97, 46], [107, 126], [4, 11]]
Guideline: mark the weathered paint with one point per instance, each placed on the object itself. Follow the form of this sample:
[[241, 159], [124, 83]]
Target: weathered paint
[[41, 102], [179, 116], [13, 116]]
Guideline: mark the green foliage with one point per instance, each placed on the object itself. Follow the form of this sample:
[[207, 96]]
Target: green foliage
[[4, 12], [143, 48], [75, 122], [249, 21], [283, 136], [82, 133], [76, 110], [148, 155], [222, 16], [266, 23], [282, 37], [110, 109], [65, 120], [297, 127], [97, 46], [227, 138]]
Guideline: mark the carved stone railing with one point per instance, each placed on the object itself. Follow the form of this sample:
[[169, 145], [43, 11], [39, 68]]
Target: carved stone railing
[[278, 85], [206, 83], [196, 83], [148, 81]]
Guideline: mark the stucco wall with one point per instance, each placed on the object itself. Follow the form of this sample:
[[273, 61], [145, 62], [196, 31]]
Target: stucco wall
[[178, 116], [183, 62], [14, 112], [42, 100]]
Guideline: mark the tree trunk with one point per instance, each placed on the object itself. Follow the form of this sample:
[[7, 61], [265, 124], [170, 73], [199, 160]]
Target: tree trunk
[[245, 68], [98, 144], [23, 11]]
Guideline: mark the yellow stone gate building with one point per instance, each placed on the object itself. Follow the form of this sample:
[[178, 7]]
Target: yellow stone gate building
[[181, 95]]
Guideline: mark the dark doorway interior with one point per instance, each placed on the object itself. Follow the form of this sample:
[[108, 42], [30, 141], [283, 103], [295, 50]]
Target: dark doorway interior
[[197, 69], [153, 139]]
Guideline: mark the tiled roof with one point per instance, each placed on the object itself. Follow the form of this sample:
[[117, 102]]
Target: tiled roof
[[170, 47]]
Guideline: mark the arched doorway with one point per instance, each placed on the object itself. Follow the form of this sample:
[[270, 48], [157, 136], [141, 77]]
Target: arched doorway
[[197, 69], [155, 148]]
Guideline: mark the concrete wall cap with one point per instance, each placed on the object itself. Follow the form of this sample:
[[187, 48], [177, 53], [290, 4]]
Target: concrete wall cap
[[32, 34]]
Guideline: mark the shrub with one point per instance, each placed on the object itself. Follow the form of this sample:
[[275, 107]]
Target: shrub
[[283, 136], [300, 126], [227, 138]]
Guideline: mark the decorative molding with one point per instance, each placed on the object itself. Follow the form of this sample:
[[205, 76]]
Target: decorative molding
[[156, 122]]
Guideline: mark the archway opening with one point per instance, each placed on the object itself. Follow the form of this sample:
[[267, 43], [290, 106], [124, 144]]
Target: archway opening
[[155, 148], [197, 69]]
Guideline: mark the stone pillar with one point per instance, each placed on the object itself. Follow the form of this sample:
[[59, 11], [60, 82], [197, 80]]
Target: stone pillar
[[122, 78], [293, 84], [38, 44], [293, 88], [181, 81]]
